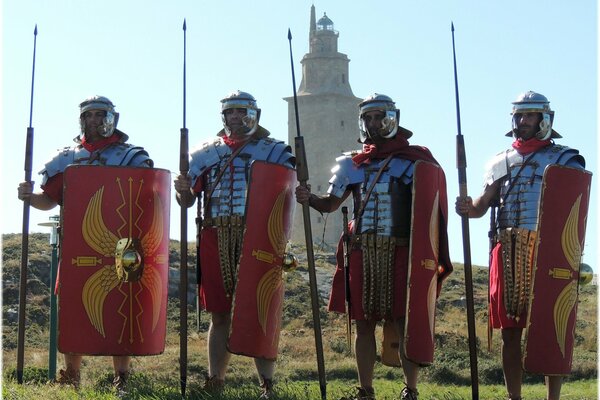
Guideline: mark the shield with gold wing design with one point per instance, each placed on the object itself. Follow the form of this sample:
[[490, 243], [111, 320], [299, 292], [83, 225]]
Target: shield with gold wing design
[[114, 260], [258, 296], [428, 199], [552, 308]]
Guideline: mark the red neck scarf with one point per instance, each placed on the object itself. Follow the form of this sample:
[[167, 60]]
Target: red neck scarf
[[529, 146], [99, 144], [233, 143], [398, 146]]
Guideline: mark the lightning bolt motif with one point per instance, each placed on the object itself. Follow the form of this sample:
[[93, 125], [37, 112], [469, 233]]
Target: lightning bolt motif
[[98, 237]]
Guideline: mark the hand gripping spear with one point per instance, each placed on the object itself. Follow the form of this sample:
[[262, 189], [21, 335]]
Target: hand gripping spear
[[183, 276], [461, 164], [25, 230], [302, 173]]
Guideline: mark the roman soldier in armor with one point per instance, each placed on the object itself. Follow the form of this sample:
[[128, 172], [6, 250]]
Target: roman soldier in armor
[[399, 196], [98, 143], [225, 175], [515, 183]]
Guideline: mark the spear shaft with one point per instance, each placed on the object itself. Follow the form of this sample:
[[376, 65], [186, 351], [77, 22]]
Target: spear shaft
[[25, 230], [302, 173], [183, 275], [347, 251], [461, 164]]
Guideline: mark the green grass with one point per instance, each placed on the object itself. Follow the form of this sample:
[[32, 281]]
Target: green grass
[[144, 386], [157, 377]]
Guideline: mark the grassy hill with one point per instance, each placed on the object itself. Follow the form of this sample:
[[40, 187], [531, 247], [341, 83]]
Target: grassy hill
[[157, 376]]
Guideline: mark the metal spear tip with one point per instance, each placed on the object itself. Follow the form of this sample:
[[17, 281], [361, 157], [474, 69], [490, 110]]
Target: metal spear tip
[[289, 34], [35, 30], [452, 26], [184, 26]]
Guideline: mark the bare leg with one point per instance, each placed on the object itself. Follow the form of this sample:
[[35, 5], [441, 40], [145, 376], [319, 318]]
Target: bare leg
[[71, 374], [218, 356], [511, 361], [553, 384], [411, 370], [73, 362], [121, 364], [265, 368], [365, 349]]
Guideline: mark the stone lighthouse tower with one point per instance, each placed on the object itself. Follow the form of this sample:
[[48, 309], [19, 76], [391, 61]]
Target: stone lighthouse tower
[[328, 113]]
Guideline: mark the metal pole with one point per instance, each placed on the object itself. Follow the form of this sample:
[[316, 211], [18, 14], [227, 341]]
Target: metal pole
[[53, 224]]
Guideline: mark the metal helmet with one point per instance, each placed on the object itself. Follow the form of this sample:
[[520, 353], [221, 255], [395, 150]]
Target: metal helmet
[[245, 100], [109, 123], [532, 102], [390, 123]]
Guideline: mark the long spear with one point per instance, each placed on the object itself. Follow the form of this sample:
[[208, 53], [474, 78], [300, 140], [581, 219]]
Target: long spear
[[302, 173], [461, 165], [25, 230], [184, 166], [347, 251]]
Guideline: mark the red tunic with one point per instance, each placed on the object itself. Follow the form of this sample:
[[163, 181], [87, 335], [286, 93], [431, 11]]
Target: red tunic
[[497, 310], [337, 300], [212, 291]]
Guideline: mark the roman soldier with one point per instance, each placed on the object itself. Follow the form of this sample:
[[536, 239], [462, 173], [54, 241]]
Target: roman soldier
[[398, 242], [539, 193]]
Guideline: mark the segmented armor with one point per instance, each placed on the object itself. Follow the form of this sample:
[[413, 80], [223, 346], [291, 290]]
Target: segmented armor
[[225, 209], [384, 224], [518, 216], [520, 191], [118, 153], [229, 196]]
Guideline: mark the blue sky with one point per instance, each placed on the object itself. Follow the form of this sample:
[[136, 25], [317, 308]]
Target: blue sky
[[132, 52]]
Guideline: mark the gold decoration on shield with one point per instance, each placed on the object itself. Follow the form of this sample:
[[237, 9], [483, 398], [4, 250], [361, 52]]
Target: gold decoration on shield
[[98, 237], [567, 298], [271, 281]]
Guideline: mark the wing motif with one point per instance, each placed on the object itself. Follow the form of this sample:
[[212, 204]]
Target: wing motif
[[94, 293], [570, 237], [265, 289], [152, 281], [431, 297], [275, 225], [562, 310], [94, 231], [153, 238], [434, 226]]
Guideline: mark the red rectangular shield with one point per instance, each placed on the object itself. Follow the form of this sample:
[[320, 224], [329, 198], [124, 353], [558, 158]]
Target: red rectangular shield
[[428, 199], [552, 308], [258, 297], [104, 209]]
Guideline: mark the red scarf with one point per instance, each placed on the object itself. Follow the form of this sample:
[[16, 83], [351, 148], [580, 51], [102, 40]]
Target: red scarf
[[97, 145], [529, 146], [398, 146], [233, 143]]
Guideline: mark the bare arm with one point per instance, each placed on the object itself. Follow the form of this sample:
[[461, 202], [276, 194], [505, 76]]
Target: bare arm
[[478, 207], [40, 200], [326, 203]]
